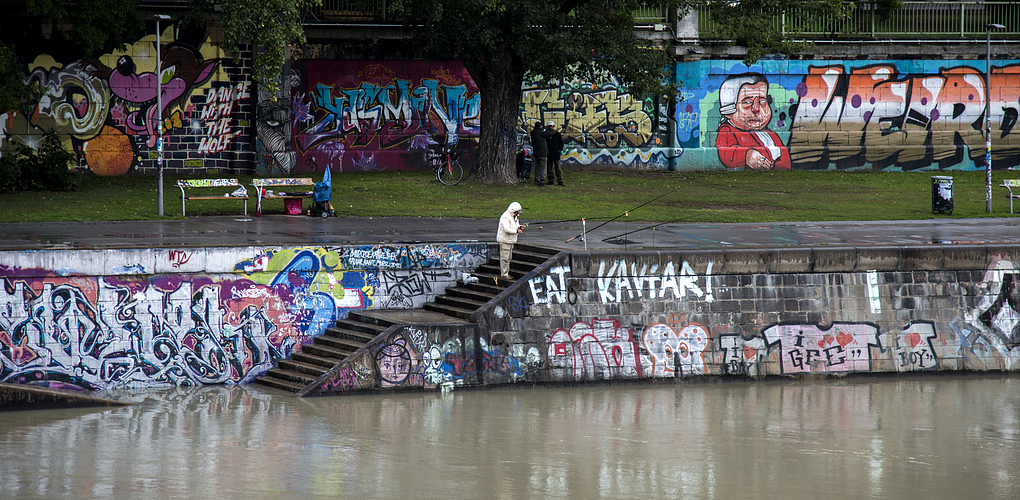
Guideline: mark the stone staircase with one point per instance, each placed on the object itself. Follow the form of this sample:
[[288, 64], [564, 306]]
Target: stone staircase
[[325, 351], [360, 327], [463, 300]]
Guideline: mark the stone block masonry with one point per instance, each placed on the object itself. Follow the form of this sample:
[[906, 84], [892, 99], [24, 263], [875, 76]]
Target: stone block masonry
[[632, 316], [825, 311]]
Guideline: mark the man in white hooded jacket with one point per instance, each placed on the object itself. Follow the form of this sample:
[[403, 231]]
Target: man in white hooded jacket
[[506, 235]]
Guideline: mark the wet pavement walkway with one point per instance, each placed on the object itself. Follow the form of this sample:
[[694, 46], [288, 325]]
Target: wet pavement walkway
[[287, 230]]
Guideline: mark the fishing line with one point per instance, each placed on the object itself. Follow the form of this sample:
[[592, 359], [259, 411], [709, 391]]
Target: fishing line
[[564, 220], [627, 212], [646, 227]]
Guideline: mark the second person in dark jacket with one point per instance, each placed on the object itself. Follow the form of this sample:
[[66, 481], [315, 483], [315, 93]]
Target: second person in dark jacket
[[555, 151], [540, 152]]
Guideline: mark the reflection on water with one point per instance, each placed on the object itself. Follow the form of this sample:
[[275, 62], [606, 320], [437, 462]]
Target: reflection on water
[[897, 438]]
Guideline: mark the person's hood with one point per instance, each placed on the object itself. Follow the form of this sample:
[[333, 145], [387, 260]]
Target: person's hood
[[514, 207]]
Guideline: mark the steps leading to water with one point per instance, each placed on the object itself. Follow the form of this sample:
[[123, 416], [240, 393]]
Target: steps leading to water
[[360, 327], [325, 351]]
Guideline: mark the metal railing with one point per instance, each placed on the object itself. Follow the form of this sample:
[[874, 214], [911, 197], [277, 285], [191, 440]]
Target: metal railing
[[651, 15], [915, 20], [348, 10]]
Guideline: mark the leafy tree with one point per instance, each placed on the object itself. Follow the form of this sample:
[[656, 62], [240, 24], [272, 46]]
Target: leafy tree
[[502, 41], [753, 23], [90, 26], [271, 27], [45, 169], [82, 27], [14, 92]]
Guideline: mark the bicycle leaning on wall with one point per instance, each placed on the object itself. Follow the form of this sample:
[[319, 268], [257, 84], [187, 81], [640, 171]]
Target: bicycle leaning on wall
[[447, 166]]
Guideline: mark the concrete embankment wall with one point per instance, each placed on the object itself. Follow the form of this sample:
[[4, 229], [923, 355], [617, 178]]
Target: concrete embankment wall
[[726, 313], [116, 318], [107, 318]]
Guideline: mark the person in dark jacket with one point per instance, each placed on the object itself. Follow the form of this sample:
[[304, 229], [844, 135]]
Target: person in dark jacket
[[540, 152], [555, 151]]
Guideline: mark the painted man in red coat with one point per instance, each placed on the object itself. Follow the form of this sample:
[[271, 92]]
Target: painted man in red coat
[[744, 139]]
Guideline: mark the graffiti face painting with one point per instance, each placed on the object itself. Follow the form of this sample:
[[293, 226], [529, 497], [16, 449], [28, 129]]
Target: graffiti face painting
[[744, 139], [398, 362], [752, 112]]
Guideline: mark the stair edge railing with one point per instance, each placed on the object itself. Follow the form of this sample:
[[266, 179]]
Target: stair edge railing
[[381, 337], [512, 289], [332, 371]]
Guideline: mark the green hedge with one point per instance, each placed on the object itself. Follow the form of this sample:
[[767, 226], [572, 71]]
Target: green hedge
[[46, 169]]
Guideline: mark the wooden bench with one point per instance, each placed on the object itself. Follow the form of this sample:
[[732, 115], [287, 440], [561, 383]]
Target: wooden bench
[[293, 187], [1009, 184], [207, 187]]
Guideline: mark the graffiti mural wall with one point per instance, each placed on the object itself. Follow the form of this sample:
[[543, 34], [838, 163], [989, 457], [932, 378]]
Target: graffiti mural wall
[[696, 323], [898, 115], [376, 115], [658, 316], [363, 116], [776, 115], [105, 108], [602, 124], [128, 318], [431, 357]]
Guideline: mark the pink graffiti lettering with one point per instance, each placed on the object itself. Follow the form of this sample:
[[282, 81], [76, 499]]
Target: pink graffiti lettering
[[343, 381], [841, 348]]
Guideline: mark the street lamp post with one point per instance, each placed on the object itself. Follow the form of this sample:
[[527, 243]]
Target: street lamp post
[[988, 109], [159, 106]]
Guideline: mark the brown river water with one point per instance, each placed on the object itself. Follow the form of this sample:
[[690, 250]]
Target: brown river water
[[929, 437]]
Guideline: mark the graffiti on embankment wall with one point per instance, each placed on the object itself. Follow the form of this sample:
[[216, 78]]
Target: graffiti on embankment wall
[[817, 115], [632, 318], [427, 358], [104, 108], [129, 318], [773, 324]]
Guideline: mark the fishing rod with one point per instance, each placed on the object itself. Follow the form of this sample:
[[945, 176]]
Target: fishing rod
[[564, 220], [626, 212]]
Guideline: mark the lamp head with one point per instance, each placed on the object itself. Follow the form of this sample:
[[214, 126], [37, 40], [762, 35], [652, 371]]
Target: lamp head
[[162, 17], [993, 26]]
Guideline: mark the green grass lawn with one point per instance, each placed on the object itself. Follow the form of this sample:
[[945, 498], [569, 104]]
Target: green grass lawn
[[651, 196]]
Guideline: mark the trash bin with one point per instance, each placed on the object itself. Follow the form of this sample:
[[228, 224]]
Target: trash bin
[[942, 194]]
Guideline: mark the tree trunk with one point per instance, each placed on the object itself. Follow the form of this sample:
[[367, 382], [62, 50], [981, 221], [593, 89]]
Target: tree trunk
[[500, 85]]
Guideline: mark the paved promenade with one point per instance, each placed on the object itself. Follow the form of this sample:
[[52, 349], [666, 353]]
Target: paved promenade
[[285, 230]]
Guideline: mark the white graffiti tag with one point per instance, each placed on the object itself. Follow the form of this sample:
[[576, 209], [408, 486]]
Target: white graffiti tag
[[601, 350], [676, 353], [626, 282]]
